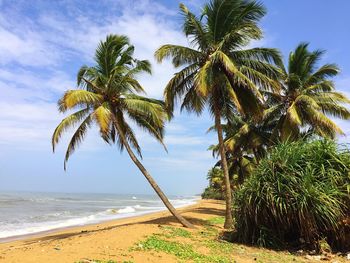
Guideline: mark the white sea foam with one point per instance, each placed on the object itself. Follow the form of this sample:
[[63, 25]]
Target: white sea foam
[[48, 214], [126, 210]]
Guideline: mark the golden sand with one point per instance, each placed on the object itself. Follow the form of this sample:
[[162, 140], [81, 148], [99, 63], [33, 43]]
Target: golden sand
[[104, 241]]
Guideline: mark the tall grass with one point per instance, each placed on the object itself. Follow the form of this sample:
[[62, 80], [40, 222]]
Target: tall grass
[[297, 195]]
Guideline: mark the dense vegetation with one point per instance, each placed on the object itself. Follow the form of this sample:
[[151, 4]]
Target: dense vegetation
[[216, 187], [298, 195]]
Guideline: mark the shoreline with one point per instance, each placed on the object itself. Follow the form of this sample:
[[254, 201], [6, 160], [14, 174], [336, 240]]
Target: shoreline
[[105, 241], [116, 222]]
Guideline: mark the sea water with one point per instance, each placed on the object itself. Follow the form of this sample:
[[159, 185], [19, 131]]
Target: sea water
[[29, 213]]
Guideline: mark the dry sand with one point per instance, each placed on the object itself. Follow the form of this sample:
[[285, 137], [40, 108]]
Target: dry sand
[[110, 240]]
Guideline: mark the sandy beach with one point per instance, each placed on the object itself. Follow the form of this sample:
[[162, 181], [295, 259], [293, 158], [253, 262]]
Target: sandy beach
[[104, 241], [125, 241]]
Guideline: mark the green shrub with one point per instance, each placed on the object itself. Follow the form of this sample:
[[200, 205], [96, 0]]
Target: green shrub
[[297, 195], [212, 193], [216, 186]]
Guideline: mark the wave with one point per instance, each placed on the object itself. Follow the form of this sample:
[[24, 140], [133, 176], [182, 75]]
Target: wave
[[63, 219], [126, 210]]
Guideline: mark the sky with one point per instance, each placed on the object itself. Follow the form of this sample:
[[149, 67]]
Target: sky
[[44, 43]]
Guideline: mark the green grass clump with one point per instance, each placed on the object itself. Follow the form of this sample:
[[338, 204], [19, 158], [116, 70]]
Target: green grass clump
[[220, 220], [170, 232], [299, 192], [180, 250]]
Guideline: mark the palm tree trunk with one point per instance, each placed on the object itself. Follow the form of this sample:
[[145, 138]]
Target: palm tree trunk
[[256, 155], [152, 182], [228, 194]]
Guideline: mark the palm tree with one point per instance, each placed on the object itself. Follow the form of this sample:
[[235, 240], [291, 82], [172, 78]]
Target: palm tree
[[246, 142], [307, 98], [244, 135], [216, 178], [216, 69], [107, 96]]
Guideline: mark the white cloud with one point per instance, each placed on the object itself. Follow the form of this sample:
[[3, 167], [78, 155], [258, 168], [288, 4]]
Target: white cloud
[[343, 85], [189, 160], [53, 82], [184, 140], [26, 48], [21, 123]]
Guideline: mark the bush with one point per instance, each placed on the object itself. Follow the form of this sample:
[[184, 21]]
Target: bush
[[298, 195], [212, 193], [216, 186]]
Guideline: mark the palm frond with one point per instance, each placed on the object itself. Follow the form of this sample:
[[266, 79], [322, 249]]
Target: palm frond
[[269, 55], [180, 55], [239, 17], [194, 29], [102, 115], [67, 123], [108, 51], [204, 79], [77, 138], [73, 98], [179, 85], [324, 72]]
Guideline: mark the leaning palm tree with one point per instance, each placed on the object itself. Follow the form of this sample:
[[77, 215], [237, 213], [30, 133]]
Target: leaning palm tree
[[107, 96], [216, 69], [307, 98]]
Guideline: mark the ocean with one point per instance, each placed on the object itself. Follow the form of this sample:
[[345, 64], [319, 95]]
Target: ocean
[[29, 213]]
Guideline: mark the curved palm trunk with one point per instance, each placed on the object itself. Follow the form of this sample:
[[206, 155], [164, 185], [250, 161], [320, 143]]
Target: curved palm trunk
[[152, 182], [228, 193]]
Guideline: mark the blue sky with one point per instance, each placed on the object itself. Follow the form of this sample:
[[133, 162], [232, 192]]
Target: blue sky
[[43, 44]]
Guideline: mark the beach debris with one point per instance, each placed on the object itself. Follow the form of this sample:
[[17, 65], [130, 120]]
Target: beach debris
[[86, 260], [348, 256], [313, 252], [140, 245], [300, 252]]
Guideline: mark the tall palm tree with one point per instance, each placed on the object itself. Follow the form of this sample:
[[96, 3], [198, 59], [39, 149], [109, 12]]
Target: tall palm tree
[[216, 69], [107, 96], [307, 98]]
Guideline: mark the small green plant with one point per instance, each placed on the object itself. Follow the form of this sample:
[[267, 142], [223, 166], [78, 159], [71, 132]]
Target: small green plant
[[154, 242], [170, 232], [216, 220], [182, 251]]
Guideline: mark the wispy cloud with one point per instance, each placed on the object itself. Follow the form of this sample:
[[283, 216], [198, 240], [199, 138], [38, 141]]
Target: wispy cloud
[[26, 48]]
